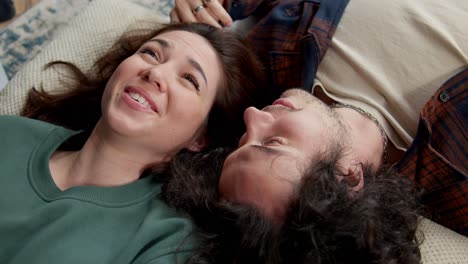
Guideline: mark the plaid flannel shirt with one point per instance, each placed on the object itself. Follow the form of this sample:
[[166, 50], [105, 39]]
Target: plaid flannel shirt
[[291, 36], [437, 159]]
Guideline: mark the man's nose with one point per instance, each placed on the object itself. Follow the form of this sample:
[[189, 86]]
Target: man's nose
[[257, 122], [156, 76]]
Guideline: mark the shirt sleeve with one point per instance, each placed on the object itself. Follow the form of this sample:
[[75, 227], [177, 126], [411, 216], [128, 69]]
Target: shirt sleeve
[[436, 160], [290, 36]]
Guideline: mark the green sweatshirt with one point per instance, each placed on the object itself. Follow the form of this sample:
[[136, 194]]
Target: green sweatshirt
[[39, 223]]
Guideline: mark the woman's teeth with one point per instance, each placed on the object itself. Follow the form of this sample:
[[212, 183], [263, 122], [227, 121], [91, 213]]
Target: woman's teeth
[[140, 99]]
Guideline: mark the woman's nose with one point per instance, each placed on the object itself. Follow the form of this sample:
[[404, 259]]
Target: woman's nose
[[156, 76]]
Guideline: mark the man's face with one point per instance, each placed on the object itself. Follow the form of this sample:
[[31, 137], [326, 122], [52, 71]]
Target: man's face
[[279, 145]]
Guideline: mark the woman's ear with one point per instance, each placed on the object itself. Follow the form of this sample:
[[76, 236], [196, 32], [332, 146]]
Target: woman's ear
[[198, 144]]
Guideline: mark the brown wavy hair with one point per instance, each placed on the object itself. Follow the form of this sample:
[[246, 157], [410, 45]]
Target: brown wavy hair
[[324, 223], [78, 107]]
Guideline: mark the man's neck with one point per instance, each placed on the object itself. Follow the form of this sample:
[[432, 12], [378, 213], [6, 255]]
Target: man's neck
[[394, 154], [365, 135]]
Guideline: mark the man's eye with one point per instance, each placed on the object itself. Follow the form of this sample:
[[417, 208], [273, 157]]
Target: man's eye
[[149, 52], [272, 142], [192, 80]]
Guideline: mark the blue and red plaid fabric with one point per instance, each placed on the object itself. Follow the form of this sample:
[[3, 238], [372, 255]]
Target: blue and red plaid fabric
[[437, 160], [291, 36]]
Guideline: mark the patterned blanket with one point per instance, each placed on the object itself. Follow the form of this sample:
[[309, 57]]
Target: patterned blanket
[[27, 35]]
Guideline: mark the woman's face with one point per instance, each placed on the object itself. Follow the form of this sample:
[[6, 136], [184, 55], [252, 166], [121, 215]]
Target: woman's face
[[160, 96]]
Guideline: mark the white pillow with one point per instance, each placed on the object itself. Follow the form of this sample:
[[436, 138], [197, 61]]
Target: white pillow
[[87, 37], [442, 245]]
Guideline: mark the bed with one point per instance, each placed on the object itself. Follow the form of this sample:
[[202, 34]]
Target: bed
[[94, 29]]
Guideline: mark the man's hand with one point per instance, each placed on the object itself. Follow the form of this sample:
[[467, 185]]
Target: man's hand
[[205, 11]]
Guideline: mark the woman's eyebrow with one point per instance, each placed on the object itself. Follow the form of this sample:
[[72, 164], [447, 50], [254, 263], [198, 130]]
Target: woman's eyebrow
[[199, 69], [161, 42], [165, 44]]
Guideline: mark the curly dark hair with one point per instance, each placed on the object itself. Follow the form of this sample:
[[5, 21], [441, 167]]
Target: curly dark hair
[[324, 223], [243, 84]]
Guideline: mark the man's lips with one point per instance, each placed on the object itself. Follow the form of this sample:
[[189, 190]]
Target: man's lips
[[144, 94], [284, 102]]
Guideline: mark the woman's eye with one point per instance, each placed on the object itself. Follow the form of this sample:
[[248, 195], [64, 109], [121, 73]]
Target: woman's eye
[[192, 80], [149, 52]]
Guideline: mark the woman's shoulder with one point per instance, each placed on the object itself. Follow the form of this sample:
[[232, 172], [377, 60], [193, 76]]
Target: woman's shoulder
[[13, 121], [21, 127]]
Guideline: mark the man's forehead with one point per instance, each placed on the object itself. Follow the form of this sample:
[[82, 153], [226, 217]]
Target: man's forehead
[[255, 154], [264, 158]]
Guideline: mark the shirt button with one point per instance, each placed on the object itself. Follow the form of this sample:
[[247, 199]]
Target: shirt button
[[444, 96]]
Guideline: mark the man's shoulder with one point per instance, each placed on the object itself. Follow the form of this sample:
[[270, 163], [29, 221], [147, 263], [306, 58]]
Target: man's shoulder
[[436, 160]]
